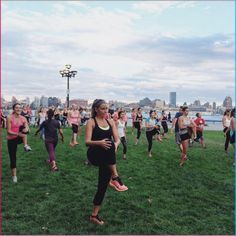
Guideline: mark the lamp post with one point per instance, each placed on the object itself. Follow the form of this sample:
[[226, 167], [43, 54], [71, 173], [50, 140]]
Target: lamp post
[[66, 72]]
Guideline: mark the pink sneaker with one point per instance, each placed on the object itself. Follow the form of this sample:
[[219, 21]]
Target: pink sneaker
[[117, 184]]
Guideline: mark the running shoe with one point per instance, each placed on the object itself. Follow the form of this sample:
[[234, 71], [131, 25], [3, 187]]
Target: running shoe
[[14, 179], [117, 184], [96, 219], [27, 148]]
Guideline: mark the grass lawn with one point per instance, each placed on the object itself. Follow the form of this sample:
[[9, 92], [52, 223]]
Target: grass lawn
[[163, 198]]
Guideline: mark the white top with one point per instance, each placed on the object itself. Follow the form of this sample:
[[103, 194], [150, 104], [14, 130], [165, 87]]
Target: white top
[[152, 122], [226, 122], [121, 128], [42, 117]]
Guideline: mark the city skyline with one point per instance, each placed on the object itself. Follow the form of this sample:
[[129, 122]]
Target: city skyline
[[196, 102], [121, 50]]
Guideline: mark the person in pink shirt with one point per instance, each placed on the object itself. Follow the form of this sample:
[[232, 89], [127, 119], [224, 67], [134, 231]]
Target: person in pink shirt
[[73, 119], [17, 129], [200, 123]]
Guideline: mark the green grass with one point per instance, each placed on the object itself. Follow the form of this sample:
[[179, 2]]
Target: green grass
[[163, 198]]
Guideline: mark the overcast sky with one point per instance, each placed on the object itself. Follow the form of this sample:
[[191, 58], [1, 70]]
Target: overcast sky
[[122, 50]]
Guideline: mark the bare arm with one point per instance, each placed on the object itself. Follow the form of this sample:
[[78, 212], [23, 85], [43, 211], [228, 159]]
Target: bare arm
[[62, 135], [115, 134], [173, 123]]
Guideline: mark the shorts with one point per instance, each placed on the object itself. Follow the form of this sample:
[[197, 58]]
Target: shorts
[[75, 128], [99, 156], [199, 135], [184, 134], [177, 138]]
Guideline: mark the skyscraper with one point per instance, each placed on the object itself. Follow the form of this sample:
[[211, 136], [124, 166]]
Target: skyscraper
[[172, 99]]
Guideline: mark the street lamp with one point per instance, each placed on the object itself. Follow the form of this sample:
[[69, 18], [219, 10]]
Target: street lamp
[[68, 73]]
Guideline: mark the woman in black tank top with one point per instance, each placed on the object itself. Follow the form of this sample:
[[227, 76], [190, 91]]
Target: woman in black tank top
[[138, 124], [102, 140]]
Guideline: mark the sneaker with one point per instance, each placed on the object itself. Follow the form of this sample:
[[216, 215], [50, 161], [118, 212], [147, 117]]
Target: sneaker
[[96, 219], [27, 148], [118, 185], [14, 179]]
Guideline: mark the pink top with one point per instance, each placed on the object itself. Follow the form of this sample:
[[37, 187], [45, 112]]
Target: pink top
[[74, 117], [15, 125]]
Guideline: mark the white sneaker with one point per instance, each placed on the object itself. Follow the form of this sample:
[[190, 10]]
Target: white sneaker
[[27, 148], [14, 179]]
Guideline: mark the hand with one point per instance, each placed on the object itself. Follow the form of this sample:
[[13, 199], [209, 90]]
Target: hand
[[106, 143], [25, 130]]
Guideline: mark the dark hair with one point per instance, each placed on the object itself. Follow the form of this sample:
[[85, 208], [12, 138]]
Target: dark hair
[[184, 108], [150, 112], [119, 113], [96, 104], [197, 114], [232, 114], [226, 111], [50, 113], [13, 107], [139, 109]]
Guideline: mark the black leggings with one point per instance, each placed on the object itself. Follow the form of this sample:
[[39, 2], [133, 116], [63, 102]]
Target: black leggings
[[149, 135], [124, 143], [227, 139], [103, 180], [138, 127], [12, 148]]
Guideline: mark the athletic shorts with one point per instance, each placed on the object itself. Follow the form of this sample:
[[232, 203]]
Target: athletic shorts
[[75, 128], [184, 134]]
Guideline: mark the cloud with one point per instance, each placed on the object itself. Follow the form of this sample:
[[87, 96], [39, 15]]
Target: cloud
[[113, 59], [160, 6]]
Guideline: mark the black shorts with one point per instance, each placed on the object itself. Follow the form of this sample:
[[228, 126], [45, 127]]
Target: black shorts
[[75, 128], [99, 156], [199, 135], [184, 134]]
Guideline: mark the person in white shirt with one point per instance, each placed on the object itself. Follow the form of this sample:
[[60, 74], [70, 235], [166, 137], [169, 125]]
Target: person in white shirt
[[120, 124]]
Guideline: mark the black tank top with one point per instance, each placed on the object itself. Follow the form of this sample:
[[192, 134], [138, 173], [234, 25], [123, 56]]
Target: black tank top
[[138, 118], [99, 134]]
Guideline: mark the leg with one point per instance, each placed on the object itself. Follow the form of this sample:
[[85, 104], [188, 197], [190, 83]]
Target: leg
[[103, 180], [184, 151], [227, 139], [12, 148], [149, 139], [123, 141]]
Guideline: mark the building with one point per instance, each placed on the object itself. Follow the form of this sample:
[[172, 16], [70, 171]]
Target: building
[[197, 103], [44, 101], [214, 105], [227, 103], [172, 102], [79, 102], [159, 104], [54, 101]]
